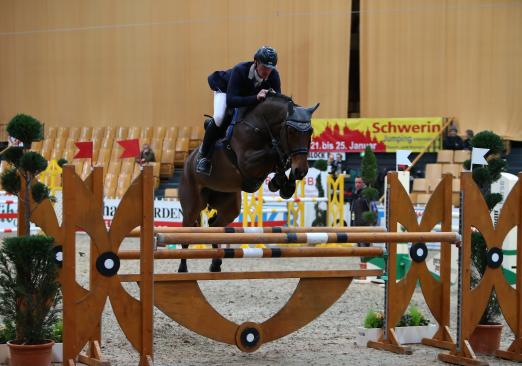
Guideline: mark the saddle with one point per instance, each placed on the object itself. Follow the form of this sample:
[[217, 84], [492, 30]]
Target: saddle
[[232, 117]]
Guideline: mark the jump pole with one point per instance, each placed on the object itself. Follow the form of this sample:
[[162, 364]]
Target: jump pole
[[306, 238], [301, 252], [264, 229]]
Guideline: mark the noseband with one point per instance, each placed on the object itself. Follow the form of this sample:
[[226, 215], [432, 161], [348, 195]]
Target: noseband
[[301, 127]]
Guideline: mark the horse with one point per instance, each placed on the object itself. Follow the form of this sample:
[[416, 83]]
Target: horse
[[271, 137]]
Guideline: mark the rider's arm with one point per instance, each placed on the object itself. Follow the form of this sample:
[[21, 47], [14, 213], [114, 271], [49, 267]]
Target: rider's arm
[[275, 81], [235, 85]]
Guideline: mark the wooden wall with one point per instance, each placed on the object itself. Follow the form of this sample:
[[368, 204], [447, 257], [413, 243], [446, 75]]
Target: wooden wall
[[444, 58], [144, 62]]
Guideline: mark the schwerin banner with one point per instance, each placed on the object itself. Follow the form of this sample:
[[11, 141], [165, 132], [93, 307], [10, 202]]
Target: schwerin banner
[[381, 134]]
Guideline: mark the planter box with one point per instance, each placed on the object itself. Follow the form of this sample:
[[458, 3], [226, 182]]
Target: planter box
[[57, 353], [4, 353], [405, 335]]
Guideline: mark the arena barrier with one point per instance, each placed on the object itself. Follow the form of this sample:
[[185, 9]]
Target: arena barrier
[[252, 204], [83, 209]]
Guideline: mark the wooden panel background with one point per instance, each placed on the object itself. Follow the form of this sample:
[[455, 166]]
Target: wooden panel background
[[144, 62], [444, 58]]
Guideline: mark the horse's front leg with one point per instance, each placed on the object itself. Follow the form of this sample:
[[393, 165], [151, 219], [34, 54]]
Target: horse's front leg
[[228, 206]]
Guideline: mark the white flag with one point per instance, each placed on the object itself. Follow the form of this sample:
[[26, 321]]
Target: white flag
[[477, 156], [402, 157]]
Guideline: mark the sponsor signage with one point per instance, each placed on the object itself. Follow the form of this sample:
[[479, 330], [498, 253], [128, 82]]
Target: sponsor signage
[[381, 134]]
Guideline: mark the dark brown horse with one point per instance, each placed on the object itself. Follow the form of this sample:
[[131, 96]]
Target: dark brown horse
[[272, 137]]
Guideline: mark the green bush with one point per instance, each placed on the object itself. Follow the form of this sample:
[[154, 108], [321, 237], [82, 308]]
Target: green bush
[[413, 318], [321, 165], [55, 332], [32, 162], [11, 181], [374, 319], [62, 162], [7, 332], [488, 140], [25, 129], [29, 289], [39, 192]]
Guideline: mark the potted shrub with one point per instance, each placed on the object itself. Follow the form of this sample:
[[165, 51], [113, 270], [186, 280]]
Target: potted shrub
[[411, 328], [29, 292], [486, 336], [29, 288]]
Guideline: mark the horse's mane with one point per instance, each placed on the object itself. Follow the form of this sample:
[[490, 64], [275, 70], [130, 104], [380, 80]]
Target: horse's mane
[[274, 95]]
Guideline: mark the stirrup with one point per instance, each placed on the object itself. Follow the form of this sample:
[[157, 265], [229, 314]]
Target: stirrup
[[203, 165]]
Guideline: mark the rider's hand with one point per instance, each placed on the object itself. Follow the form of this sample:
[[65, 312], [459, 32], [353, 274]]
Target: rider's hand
[[262, 94]]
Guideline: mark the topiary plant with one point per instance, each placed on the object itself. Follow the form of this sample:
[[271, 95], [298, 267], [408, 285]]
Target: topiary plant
[[20, 179], [29, 288], [484, 176]]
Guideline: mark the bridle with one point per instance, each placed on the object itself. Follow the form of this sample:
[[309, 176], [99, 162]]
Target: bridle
[[297, 119]]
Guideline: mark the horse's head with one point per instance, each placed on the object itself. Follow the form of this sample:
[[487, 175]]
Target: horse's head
[[296, 135]]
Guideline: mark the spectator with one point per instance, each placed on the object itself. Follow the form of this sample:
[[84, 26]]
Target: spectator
[[467, 141], [336, 166], [358, 206], [146, 155], [453, 141]]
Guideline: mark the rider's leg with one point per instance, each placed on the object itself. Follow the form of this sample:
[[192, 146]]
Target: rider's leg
[[212, 134]]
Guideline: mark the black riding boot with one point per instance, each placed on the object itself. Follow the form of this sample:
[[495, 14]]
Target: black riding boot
[[204, 162]]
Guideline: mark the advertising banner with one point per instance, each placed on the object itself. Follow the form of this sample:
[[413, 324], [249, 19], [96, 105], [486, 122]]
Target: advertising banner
[[381, 134]]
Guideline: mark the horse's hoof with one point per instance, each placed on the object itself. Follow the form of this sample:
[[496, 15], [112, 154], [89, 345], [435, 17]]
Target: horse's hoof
[[214, 268], [286, 192], [273, 186], [182, 268]]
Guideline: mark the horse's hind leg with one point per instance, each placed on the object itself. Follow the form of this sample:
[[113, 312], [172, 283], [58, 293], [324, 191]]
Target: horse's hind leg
[[228, 206], [192, 201]]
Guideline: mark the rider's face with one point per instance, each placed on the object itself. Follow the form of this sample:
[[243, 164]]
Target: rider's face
[[263, 71]]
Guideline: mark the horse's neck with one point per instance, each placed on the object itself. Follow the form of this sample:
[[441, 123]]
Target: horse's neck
[[269, 114], [254, 151]]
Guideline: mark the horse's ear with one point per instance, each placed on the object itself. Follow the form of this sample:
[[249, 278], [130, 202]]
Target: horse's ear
[[312, 109]]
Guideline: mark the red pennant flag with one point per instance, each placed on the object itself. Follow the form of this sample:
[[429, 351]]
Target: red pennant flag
[[131, 148], [84, 150]]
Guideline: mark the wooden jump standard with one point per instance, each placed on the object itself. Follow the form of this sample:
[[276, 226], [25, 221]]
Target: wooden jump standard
[[265, 229], [472, 302], [398, 294]]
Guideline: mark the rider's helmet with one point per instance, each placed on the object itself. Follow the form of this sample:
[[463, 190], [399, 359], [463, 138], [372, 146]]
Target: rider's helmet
[[267, 56]]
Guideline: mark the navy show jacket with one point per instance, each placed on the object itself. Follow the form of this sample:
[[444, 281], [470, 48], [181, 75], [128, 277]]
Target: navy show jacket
[[241, 90]]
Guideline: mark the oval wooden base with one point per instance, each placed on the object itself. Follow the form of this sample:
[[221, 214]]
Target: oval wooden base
[[184, 302]]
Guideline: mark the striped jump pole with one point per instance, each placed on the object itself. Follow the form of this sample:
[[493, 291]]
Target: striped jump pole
[[306, 238], [266, 229], [256, 253], [294, 199]]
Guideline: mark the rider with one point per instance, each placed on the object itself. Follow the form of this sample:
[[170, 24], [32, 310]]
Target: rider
[[246, 84]]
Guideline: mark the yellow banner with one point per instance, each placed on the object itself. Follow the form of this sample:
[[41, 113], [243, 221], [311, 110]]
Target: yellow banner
[[381, 134]]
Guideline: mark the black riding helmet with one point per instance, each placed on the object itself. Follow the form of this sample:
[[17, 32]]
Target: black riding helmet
[[267, 56]]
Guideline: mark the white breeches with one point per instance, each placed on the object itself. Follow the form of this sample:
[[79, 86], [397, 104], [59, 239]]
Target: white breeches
[[220, 105]]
